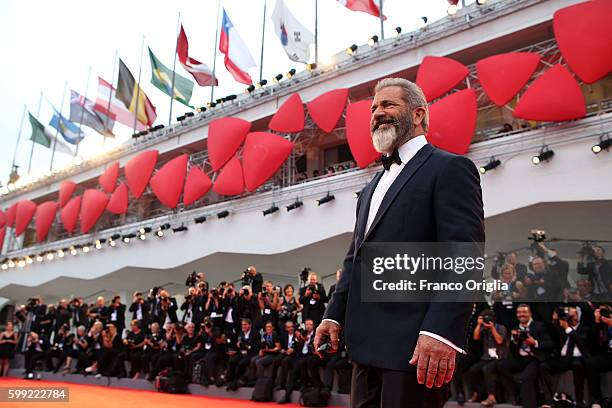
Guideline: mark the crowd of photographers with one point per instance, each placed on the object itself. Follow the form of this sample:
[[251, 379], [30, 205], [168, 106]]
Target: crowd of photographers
[[231, 335]]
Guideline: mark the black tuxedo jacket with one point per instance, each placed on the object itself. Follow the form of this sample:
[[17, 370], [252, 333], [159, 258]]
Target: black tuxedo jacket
[[436, 198], [546, 345]]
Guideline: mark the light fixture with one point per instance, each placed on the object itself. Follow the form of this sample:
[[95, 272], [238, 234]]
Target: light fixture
[[29, 259], [189, 115], [357, 193], [73, 251], [222, 214], [98, 244], [49, 256], [545, 155], [296, 204], [492, 164], [85, 248], [199, 220], [452, 7], [161, 229], [277, 78], [180, 229], [604, 144], [398, 31], [250, 88], [262, 83], [373, 40], [4, 267], [211, 105], [39, 258], [128, 237], [115, 236], [21, 263], [352, 49], [481, 2], [142, 237], [291, 73], [144, 230], [326, 199], [311, 67], [270, 210], [60, 253], [112, 242], [201, 109], [422, 22], [11, 263], [181, 118]]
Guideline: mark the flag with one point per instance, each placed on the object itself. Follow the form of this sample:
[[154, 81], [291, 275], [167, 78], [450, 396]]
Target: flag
[[130, 93], [237, 56], [40, 135], [116, 110], [200, 71], [82, 110], [294, 37], [161, 77], [69, 130], [366, 6]]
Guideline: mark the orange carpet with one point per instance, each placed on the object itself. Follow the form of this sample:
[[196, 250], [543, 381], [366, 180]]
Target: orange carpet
[[84, 396]]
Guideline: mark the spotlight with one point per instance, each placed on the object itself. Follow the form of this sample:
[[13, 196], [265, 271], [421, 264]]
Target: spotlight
[[493, 163], [159, 233], [4, 267], [398, 31], [270, 210], [115, 236], [262, 83], [98, 243], [311, 67], [452, 7], [250, 88], [211, 105], [481, 2], [181, 118], [49, 257], [85, 249], [351, 50], [161, 229], [200, 219], [326, 199], [112, 242], [372, 40], [604, 144], [291, 73], [157, 127], [21, 263], [422, 22], [545, 155], [230, 97], [11, 263], [180, 229], [39, 258], [127, 237], [142, 237], [277, 78], [144, 230], [29, 260], [189, 115], [220, 100], [222, 214], [201, 109], [295, 205], [164, 226], [73, 251], [357, 193], [60, 253]]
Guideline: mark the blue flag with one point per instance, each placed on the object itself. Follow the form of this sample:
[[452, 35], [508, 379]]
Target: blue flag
[[69, 130]]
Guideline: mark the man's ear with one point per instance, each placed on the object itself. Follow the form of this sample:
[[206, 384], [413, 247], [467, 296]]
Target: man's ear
[[418, 115]]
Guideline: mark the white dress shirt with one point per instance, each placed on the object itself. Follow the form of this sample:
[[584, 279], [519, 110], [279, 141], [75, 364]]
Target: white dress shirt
[[406, 152]]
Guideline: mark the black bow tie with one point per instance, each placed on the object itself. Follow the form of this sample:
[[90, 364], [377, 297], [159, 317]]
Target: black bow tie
[[387, 161]]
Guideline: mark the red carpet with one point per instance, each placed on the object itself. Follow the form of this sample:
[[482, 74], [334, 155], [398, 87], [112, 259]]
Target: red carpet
[[83, 396]]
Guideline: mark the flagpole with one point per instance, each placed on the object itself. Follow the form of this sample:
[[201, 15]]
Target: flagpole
[[18, 137], [57, 129], [138, 86], [178, 25], [110, 96], [32, 150], [214, 78], [316, 31], [263, 38], [382, 19], [76, 151]]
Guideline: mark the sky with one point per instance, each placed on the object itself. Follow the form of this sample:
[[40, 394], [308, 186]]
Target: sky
[[50, 45]]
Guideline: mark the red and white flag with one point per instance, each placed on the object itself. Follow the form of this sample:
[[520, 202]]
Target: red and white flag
[[366, 6], [117, 110], [238, 59], [200, 71]]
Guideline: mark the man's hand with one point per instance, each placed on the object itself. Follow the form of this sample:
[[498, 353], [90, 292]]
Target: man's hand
[[435, 361], [327, 330]]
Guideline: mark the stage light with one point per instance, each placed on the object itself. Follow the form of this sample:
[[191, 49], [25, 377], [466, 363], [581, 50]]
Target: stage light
[[49, 256], [211, 105], [73, 251], [492, 164], [189, 115], [201, 109], [452, 7], [481, 2], [604, 144], [545, 155], [262, 83], [230, 97], [126, 240], [222, 214], [29, 259], [291, 73], [159, 233], [142, 237], [180, 229], [250, 89], [11, 263], [98, 244], [4, 267], [326, 199], [398, 31], [270, 210], [373, 40], [21, 263], [311, 67], [144, 230], [128, 237], [294, 205], [161, 229], [352, 49], [422, 22], [60, 253], [277, 78], [112, 242], [39, 258], [181, 118], [200, 219], [357, 194], [115, 236], [85, 249]]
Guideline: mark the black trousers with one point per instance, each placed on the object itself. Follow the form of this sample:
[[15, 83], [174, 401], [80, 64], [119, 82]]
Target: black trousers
[[529, 367], [484, 371], [558, 365], [376, 387], [595, 367]]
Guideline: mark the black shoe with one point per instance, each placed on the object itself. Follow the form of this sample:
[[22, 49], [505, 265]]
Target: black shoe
[[461, 399], [286, 399]]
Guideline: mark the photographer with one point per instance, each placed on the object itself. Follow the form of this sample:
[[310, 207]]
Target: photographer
[[601, 360], [572, 337], [214, 353], [62, 339], [80, 312], [173, 351], [505, 300], [197, 280], [269, 350], [109, 364], [494, 340], [152, 347], [193, 307], [191, 347], [510, 258], [134, 343], [45, 324], [530, 346], [231, 317], [598, 269], [99, 312], [116, 312], [141, 309], [304, 349], [240, 359], [214, 307], [312, 298], [35, 351], [166, 309], [288, 307], [73, 350], [62, 316], [268, 303], [287, 354], [94, 352], [252, 278], [248, 306]]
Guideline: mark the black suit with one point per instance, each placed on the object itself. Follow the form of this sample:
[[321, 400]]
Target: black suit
[[435, 198]]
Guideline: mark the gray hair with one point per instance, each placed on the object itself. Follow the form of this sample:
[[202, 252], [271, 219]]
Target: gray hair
[[412, 94]]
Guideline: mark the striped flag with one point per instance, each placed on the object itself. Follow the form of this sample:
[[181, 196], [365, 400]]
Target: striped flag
[[238, 59], [82, 110], [200, 71], [134, 98], [116, 110]]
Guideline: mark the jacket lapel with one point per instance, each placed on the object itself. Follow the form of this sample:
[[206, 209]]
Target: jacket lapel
[[364, 210], [405, 175]]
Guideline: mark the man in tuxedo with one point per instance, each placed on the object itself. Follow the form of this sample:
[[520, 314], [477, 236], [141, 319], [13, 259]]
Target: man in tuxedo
[[404, 353]]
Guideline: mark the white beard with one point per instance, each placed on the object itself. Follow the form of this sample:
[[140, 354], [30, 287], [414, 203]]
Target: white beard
[[384, 139]]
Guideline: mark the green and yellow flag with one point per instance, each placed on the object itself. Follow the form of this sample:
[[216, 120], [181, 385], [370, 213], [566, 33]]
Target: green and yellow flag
[[162, 78], [39, 133]]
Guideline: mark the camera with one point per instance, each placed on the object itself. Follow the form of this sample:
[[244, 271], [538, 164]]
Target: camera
[[604, 312], [154, 291], [246, 278], [487, 319], [500, 259], [214, 293], [538, 236], [561, 313], [192, 279], [304, 274], [586, 252]]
